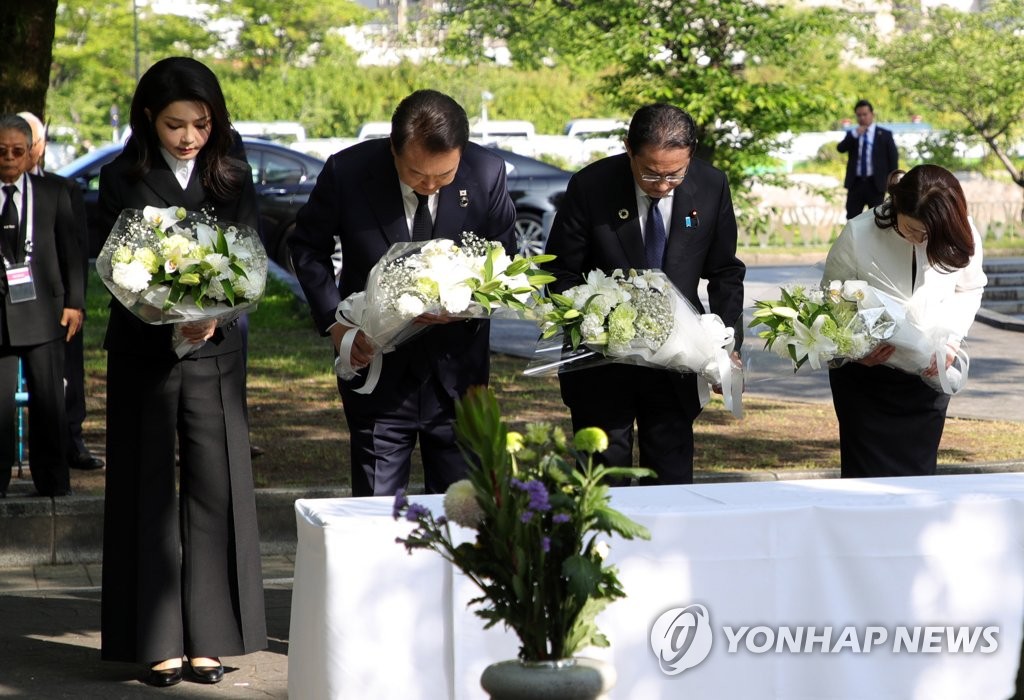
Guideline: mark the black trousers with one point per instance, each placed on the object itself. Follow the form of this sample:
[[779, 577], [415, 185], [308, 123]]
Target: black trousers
[[661, 404], [43, 366], [74, 393], [890, 422], [181, 567], [381, 443], [861, 194]]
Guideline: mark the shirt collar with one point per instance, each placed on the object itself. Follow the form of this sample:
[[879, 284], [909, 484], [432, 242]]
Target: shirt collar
[[182, 169]]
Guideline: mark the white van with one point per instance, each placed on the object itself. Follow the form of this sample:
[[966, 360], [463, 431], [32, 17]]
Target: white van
[[374, 130], [596, 128], [282, 132], [499, 130]]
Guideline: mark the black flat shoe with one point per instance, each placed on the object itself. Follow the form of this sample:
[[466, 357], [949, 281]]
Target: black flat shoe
[[207, 674], [85, 461], [164, 678]]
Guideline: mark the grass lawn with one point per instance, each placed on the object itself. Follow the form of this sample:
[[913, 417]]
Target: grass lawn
[[297, 418]]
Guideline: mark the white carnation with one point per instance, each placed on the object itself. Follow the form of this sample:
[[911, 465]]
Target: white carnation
[[132, 276]]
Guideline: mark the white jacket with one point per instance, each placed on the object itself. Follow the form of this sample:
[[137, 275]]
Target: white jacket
[[883, 259]]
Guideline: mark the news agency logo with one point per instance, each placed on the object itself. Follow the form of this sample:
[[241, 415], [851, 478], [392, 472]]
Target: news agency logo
[[681, 638]]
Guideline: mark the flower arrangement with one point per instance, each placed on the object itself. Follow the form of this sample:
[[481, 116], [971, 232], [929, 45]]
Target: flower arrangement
[[637, 318], [813, 325], [536, 504], [471, 279], [172, 266]]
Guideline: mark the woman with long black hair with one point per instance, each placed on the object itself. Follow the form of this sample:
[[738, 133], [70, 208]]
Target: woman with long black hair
[[181, 566]]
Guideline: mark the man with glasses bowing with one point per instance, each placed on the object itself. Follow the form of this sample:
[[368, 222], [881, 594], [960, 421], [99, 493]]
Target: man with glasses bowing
[[653, 207], [41, 299]]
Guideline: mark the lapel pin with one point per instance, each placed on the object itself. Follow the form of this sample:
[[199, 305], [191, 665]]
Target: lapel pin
[[463, 199], [623, 214]]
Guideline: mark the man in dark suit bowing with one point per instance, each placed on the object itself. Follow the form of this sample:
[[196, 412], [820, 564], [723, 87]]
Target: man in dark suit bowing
[[655, 206], [41, 307], [426, 181], [872, 157]]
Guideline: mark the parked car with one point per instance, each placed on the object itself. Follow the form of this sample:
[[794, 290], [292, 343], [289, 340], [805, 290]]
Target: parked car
[[535, 187], [283, 178]]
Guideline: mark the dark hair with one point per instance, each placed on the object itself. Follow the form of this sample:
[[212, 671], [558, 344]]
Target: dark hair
[[933, 196], [13, 121], [661, 126], [178, 79], [863, 103], [432, 119]]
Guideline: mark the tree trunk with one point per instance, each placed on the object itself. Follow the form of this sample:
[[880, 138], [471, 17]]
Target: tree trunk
[[26, 50]]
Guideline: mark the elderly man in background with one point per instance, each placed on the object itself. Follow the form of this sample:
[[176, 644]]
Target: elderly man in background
[[41, 302], [79, 456]]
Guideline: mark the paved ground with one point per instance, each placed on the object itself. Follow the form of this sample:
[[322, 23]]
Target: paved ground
[[49, 615], [49, 641]]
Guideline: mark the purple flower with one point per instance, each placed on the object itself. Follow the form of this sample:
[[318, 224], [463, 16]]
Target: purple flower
[[545, 544], [537, 492], [415, 512], [400, 503], [526, 516], [560, 518]]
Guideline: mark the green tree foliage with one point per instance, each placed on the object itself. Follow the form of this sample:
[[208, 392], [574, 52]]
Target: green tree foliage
[[971, 64], [94, 59], [746, 70], [278, 36]]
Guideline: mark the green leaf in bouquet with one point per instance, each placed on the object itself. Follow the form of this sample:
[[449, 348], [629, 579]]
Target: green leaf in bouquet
[[611, 520], [229, 291], [582, 575], [539, 279]]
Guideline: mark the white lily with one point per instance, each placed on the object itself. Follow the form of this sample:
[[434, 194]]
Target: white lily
[[163, 218], [812, 343]]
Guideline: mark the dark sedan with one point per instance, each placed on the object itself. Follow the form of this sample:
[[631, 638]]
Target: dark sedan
[[283, 178], [535, 187]]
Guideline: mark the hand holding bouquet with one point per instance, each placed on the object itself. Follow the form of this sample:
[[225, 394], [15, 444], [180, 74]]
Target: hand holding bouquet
[[175, 266], [849, 319], [476, 279], [638, 318]]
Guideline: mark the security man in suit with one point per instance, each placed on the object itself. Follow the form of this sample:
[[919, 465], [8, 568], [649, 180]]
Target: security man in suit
[[42, 307], [872, 157], [653, 207], [426, 181]]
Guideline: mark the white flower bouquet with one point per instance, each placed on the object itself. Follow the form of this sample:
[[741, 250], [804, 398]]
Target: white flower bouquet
[[849, 319], [171, 266], [637, 318], [474, 279]]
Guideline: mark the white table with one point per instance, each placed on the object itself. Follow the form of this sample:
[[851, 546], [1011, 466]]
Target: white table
[[370, 621]]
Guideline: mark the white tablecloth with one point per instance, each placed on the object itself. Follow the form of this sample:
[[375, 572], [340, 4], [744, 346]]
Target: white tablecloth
[[371, 622]]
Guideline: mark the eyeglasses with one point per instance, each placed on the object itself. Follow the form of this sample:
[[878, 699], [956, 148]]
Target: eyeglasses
[[16, 152], [667, 179]]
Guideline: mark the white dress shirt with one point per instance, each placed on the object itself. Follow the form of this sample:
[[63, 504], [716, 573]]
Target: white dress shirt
[[643, 206], [182, 169]]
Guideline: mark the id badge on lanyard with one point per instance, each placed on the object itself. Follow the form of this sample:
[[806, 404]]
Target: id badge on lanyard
[[20, 286]]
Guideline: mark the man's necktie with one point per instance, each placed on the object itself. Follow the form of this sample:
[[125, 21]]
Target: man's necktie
[[862, 159], [654, 236], [422, 225], [9, 222]]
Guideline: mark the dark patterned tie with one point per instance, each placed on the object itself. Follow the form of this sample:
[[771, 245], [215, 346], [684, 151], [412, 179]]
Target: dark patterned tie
[[9, 222], [422, 225], [654, 236]]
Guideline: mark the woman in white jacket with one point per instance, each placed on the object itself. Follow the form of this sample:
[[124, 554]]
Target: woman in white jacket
[[919, 240]]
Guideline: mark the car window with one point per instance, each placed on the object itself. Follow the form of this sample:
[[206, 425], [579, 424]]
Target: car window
[[281, 170]]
